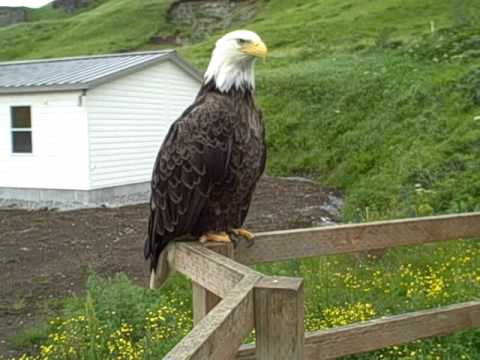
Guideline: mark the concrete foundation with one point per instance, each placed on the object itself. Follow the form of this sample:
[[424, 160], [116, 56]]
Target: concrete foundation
[[132, 193]]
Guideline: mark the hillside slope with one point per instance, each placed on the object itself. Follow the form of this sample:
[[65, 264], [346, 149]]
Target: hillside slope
[[378, 98], [114, 25]]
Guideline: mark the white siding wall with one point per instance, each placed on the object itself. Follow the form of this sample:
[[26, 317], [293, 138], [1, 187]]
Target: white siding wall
[[129, 118], [60, 144]]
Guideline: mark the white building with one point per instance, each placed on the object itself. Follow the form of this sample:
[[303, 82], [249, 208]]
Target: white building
[[87, 128]]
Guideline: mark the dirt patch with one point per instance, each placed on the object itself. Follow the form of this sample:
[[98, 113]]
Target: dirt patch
[[47, 255]]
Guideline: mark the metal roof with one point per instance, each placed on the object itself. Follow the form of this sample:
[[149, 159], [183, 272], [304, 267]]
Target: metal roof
[[77, 73]]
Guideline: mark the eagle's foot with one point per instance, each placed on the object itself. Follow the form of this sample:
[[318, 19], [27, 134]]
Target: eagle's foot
[[215, 237], [245, 234]]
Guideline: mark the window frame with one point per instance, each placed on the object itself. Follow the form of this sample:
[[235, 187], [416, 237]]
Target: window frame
[[17, 130]]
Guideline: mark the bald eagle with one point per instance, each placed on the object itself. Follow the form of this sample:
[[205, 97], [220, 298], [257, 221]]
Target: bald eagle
[[212, 158]]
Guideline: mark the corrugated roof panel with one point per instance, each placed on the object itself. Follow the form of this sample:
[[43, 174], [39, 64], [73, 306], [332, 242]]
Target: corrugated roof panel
[[74, 72], [95, 73]]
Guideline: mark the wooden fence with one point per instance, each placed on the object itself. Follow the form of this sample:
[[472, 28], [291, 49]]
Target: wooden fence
[[230, 299]]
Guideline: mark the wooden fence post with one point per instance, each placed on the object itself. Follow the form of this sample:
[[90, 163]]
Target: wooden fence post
[[202, 299], [279, 312]]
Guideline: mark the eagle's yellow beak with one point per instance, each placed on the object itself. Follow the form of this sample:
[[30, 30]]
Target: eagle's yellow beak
[[258, 49]]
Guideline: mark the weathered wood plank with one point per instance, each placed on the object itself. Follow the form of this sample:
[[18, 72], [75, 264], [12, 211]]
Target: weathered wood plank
[[203, 300], [247, 352], [394, 330], [294, 244], [279, 318], [381, 333], [208, 269], [219, 335]]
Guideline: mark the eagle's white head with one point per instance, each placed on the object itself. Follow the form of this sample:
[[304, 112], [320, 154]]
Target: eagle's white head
[[233, 60]]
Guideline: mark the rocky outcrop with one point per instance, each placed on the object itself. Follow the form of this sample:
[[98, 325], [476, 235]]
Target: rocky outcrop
[[70, 6], [207, 16], [12, 15], [171, 40]]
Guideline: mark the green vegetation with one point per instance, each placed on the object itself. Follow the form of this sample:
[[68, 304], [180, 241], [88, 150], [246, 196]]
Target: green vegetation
[[117, 320], [111, 26], [48, 12], [45, 13], [380, 99], [363, 97], [341, 290], [114, 320]]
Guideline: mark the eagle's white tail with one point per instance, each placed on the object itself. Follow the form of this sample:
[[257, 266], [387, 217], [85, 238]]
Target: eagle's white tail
[[164, 268]]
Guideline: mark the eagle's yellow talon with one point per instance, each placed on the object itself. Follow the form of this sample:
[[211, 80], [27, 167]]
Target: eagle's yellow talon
[[247, 235], [215, 237]]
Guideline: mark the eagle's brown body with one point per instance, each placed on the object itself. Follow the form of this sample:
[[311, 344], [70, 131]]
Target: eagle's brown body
[[207, 168]]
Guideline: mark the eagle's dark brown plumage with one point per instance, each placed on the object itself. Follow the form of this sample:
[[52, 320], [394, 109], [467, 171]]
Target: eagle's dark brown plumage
[[207, 168]]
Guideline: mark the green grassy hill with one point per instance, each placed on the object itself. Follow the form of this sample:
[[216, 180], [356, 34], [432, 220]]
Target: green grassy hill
[[360, 94], [111, 26]]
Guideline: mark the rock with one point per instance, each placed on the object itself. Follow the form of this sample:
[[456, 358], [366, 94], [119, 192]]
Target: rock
[[12, 15], [70, 6], [165, 40], [207, 16]]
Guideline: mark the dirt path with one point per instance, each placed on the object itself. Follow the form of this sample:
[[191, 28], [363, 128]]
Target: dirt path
[[47, 255]]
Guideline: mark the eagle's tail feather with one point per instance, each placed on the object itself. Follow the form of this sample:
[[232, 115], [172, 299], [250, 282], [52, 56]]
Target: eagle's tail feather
[[163, 268]]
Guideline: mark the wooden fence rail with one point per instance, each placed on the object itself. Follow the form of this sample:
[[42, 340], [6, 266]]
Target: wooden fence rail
[[230, 299], [380, 333], [341, 239]]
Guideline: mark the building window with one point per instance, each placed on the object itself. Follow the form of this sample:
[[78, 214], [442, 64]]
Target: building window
[[21, 129]]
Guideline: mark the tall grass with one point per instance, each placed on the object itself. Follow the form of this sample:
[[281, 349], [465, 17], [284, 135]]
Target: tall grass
[[114, 320]]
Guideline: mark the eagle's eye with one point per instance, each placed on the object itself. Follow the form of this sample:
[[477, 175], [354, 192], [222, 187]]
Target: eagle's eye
[[242, 41]]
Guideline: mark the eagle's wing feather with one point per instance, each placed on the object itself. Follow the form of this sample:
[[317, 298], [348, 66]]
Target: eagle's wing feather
[[194, 155], [257, 170]]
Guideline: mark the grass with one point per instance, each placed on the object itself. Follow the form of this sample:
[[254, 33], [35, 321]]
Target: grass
[[382, 136], [114, 320], [362, 97], [105, 28], [118, 320]]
